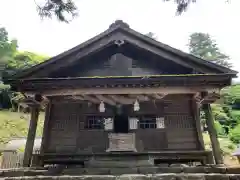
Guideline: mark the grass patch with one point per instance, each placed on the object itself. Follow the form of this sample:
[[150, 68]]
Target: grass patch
[[226, 146], [14, 125]]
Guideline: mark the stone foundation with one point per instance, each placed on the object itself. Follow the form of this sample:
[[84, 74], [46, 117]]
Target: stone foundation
[[137, 177], [124, 173]]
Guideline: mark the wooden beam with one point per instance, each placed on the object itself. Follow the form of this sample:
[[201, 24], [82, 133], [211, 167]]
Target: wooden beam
[[140, 97], [91, 99], [207, 99], [31, 136], [159, 96], [197, 96], [77, 97], [213, 134], [106, 99], [122, 100], [137, 91]]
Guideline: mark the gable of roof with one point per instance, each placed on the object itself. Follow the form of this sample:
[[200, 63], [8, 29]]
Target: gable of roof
[[115, 33]]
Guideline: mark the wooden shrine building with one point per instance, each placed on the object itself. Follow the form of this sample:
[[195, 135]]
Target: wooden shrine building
[[122, 92]]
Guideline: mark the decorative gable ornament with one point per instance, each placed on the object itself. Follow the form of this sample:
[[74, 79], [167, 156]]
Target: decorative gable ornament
[[119, 42]]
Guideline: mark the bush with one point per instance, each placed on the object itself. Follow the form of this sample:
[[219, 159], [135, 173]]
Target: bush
[[219, 128], [235, 134], [236, 115]]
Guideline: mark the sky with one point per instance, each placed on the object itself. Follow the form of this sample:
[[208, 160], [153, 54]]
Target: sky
[[219, 18]]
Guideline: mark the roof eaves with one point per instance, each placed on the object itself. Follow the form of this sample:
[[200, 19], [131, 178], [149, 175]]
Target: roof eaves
[[180, 53], [24, 73]]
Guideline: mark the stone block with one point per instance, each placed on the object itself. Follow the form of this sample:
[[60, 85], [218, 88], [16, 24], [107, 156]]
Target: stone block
[[164, 177], [21, 172], [190, 177], [97, 171], [217, 177], [234, 177], [91, 177], [221, 170], [170, 170], [148, 170], [97, 177], [120, 163], [120, 171], [134, 177], [199, 169], [233, 170]]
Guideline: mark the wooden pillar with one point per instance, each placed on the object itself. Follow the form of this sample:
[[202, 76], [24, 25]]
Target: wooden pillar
[[31, 136], [213, 134], [196, 115], [45, 133]]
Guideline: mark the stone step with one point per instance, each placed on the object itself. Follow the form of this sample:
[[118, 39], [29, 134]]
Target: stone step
[[121, 163], [22, 172], [148, 170], [77, 171], [136, 177]]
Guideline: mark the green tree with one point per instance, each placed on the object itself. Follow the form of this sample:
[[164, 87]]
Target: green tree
[[7, 49], [23, 60], [62, 8], [203, 46], [12, 61], [235, 134]]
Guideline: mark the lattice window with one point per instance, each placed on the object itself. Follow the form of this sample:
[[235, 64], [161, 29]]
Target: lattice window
[[148, 122], [94, 122]]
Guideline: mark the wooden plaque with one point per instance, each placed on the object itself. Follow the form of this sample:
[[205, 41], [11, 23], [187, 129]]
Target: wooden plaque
[[121, 142]]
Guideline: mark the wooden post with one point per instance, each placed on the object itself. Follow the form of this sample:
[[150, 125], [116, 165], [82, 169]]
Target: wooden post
[[196, 115], [45, 133], [31, 136], [213, 134]]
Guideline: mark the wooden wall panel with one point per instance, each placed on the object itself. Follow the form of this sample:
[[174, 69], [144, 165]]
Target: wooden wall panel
[[151, 140], [67, 133], [63, 129], [179, 121], [92, 141]]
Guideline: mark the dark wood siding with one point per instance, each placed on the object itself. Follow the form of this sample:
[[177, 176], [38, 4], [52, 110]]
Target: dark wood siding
[[67, 133], [181, 128], [121, 65]]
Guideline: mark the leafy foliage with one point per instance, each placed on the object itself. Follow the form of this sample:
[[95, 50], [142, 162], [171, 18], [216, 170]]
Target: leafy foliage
[[62, 8], [235, 134], [219, 128], [7, 49], [12, 61], [231, 95], [58, 8], [182, 5], [203, 46], [23, 60]]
